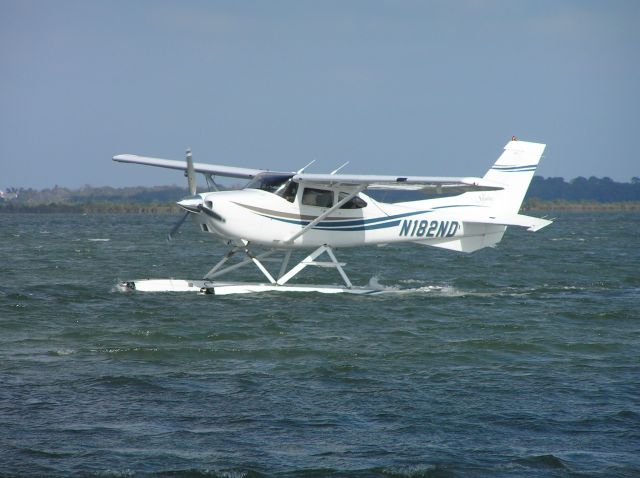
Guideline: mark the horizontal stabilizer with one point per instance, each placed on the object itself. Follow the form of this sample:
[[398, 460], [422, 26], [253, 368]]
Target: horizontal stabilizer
[[531, 223]]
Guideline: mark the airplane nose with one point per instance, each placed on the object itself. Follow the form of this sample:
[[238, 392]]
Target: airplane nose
[[191, 204], [195, 205]]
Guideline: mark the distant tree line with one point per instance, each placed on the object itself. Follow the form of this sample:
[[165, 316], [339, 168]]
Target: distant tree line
[[92, 195], [90, 207], [603, 190]]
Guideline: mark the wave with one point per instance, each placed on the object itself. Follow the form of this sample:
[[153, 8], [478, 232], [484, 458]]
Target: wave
[[35, 452], [122, 381], [541, 461], [62, 352], [206, 473]]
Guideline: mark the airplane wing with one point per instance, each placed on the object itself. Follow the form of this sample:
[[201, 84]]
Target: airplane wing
[[426, 184], [215, 169]]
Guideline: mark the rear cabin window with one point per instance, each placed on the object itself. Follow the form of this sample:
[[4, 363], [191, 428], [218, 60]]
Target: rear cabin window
[[317, 197], [353, 203]]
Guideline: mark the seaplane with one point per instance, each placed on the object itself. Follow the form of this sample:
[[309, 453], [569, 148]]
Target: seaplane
[[277, 213]]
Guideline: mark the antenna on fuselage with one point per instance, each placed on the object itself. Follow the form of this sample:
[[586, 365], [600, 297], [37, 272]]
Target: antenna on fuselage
[[339, 168], [301, 170]]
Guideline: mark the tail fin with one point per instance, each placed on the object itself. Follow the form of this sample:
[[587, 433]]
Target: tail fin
[[515, 169]]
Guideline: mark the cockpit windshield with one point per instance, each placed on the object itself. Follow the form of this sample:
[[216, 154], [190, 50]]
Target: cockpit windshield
[[269, 182]]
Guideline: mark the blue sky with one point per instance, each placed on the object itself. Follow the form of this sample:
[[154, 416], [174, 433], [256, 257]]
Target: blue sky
[[395, 87]]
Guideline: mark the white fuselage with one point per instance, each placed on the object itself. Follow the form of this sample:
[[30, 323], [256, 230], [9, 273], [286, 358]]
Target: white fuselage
[[267, 219]]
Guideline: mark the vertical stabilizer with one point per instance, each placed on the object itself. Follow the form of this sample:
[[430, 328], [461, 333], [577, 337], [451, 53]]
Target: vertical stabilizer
[[515, 169], [488, 213]]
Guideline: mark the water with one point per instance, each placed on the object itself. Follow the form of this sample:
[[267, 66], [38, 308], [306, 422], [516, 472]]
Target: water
[[522, 360]]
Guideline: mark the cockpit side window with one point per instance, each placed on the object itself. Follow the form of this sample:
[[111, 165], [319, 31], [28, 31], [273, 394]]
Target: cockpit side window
[[288, 191], [317, 197], [268, 182], [355, 202]]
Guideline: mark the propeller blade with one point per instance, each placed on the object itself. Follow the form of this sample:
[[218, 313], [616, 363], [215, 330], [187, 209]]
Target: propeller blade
[[191, 174], [177, 226], [212, 213]]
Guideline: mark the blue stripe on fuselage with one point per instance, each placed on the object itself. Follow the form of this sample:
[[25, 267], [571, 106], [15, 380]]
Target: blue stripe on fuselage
[[361, 228], [360, 224]]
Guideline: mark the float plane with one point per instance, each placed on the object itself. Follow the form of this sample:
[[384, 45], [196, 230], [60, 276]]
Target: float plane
[[280, 212]]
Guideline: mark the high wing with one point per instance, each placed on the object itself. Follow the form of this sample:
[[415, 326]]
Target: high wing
[[215, 169], [427, 184]]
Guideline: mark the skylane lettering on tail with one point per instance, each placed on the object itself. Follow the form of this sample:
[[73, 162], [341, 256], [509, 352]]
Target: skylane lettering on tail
[[285, 211]]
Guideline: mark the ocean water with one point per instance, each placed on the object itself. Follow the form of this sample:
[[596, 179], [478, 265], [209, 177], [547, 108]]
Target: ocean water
[[523, 360]]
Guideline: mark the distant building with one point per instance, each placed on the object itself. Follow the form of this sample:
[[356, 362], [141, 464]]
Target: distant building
[[8, 195]]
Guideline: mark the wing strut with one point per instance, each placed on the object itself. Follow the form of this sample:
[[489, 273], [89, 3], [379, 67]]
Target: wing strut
[[217, 270], [284, 276], [310, 260]]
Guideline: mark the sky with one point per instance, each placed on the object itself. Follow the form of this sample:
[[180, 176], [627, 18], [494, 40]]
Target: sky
[[432, 88]]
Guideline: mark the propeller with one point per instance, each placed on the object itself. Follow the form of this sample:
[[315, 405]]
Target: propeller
[[175, 228], [211, 213], [192, 184], [193, 204], [191, 174]]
